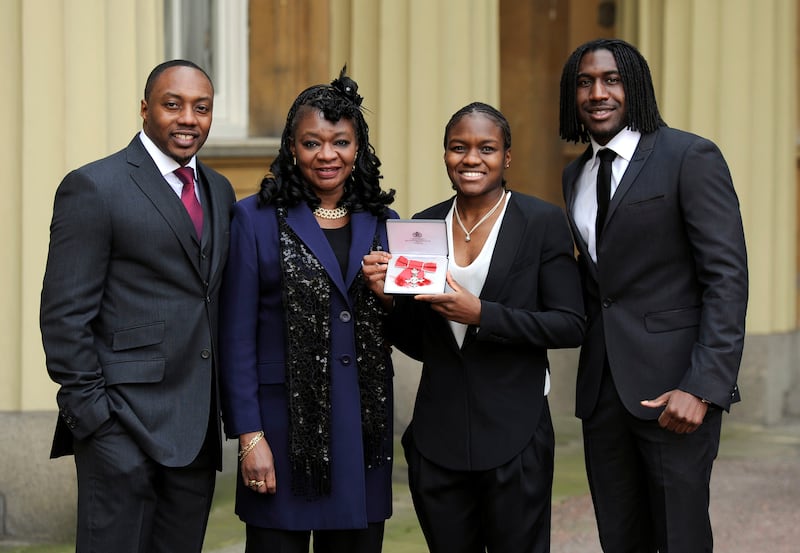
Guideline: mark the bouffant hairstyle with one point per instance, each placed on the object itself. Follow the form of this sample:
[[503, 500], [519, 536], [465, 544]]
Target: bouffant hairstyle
[[284, 184]]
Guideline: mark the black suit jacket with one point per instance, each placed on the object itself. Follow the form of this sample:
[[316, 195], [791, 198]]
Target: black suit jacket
[[477, 406], [666, 300], [129, 305]]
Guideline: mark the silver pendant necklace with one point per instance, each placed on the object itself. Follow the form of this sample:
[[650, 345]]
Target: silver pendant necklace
[[479, 223]]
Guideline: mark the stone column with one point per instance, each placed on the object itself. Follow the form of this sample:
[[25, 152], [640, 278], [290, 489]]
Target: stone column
[[75, 71], [418, 62], [726, 69]]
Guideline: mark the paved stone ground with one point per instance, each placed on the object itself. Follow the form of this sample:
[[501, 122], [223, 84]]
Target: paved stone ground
[[755, 498], [755, 508]]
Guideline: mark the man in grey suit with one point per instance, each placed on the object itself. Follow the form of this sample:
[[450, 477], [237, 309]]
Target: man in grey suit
[[663, 263], [129, 325]]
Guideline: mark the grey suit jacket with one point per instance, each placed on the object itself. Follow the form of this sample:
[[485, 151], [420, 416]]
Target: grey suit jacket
[[666, 300], [129, 305]]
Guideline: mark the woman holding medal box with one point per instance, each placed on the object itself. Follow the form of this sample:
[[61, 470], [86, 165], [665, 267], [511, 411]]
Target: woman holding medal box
[[480, 443], [305, 368]]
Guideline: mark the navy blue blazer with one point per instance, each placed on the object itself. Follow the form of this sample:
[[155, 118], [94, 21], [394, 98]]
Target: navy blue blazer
[[667, 299], [479, 405], [253, 373], [129, 305]]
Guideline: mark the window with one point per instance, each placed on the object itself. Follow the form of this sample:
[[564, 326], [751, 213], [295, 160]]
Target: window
[[214, 35]]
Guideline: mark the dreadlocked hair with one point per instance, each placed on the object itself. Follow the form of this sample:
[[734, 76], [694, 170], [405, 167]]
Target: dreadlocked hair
[[637, 82], [284, 185], [484, 109]]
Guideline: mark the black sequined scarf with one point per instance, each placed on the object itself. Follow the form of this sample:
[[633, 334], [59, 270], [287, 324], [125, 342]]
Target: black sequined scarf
[[307, 305]]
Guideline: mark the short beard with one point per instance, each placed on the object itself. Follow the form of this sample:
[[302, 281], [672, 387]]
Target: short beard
[[603, 137]]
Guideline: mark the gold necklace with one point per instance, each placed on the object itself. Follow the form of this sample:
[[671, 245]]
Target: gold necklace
[[332, 214], [479, 223]]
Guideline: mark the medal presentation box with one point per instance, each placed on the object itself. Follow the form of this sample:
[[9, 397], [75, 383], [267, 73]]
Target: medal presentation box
[[419, 256]]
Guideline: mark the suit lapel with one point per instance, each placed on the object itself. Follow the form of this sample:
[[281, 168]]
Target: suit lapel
[[362, 230], [571, 176], [643, 150], [151, 182], [302, 221], [217, 213], [509, 239], [440, 211]]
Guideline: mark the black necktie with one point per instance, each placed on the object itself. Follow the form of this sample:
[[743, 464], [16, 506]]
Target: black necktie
[[603, 190]]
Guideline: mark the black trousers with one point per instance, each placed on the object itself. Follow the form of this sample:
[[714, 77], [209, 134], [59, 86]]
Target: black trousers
[[502, 510], [127, 503], [268, 540], [650, 486]]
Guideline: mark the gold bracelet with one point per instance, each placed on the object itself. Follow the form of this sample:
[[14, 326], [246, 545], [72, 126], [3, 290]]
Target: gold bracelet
[[245, 451]]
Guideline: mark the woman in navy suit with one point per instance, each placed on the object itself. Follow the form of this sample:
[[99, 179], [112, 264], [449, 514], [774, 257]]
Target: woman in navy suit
[[480, 444], [306, 372]]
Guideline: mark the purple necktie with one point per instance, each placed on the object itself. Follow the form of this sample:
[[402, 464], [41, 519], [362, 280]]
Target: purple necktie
[[189, 199]]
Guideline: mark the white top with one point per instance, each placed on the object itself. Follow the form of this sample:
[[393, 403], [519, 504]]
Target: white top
[[473, 276], [584, 206], [166, 165]]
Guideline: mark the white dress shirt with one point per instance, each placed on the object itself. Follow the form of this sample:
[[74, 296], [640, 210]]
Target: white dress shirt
[[166, 165], [584, 205]]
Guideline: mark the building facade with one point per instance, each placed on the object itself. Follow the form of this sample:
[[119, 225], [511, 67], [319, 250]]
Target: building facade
[[75, 70]]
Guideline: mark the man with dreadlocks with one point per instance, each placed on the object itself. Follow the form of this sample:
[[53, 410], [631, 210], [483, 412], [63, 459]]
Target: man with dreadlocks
[[305, 370], [664, 274]]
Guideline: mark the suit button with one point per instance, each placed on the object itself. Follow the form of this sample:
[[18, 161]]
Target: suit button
[[607, 302], [208, 299], [205, 354], [346, 360], [345, 316]]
